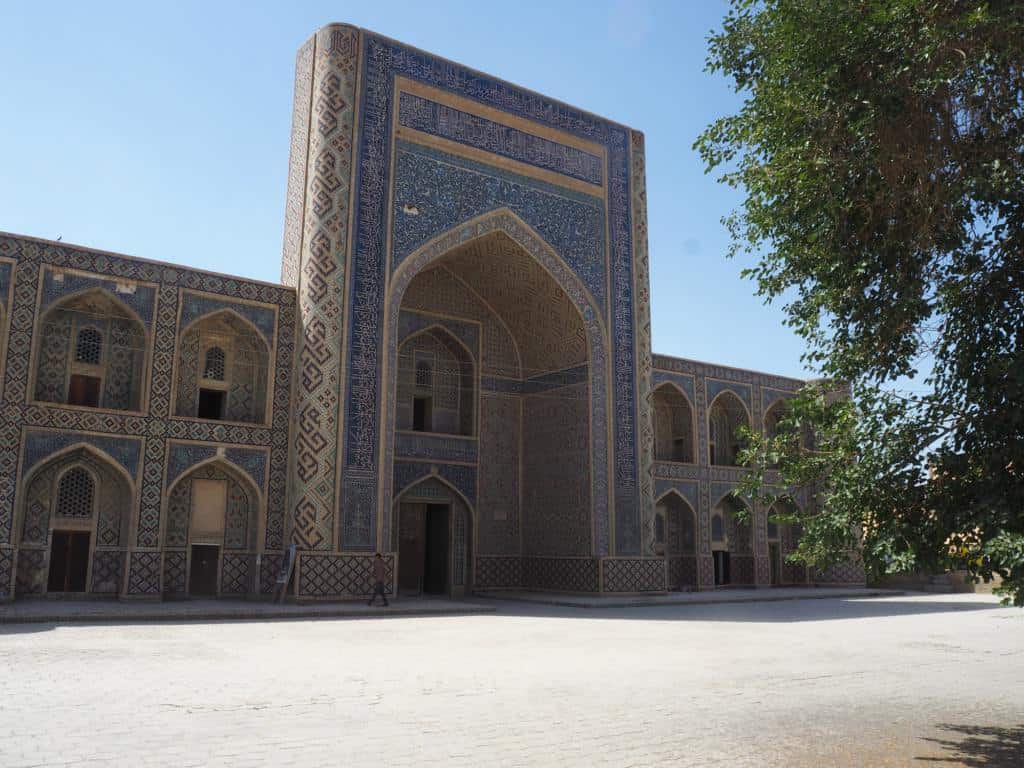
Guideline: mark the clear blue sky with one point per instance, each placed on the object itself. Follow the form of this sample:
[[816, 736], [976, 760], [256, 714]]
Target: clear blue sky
[[162, 131]]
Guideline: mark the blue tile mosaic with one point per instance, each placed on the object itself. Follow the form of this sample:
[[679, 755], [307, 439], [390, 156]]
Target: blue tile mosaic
[[479, 132], [195, 305], [447, 190], [411, 321], [460, 477], [252, 462], [716, 387], [40, 444], [142, 299], [684, 382]]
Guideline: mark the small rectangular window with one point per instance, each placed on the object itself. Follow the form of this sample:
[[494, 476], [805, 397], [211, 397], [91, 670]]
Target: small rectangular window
[[421, 415], [711, 453], [84, 390], [211, 404]]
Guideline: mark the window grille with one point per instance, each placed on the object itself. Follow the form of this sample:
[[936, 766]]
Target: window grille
[[88, 346], [717, 528], [214, 367], [75, 494], [424, 374]]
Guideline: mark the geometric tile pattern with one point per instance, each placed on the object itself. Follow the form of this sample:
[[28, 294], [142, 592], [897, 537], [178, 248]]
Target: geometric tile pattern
[[106, 571], [849, 572], [634, 574], [235, 572], [564, 574], [144, 573], [175, 574], [6, 571], [51, 427], [324, 575], [498, 572], [741, 569], [642, 304], [682, 572], [329, 79]]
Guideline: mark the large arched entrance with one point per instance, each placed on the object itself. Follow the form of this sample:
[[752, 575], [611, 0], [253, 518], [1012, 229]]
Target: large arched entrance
[[496, 329]]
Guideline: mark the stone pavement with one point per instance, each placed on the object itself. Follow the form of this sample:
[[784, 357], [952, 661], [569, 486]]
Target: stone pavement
[[92, 611], [913, 680]]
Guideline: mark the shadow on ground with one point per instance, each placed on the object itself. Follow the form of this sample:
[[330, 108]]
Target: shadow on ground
[[977, 746], [782, 611]]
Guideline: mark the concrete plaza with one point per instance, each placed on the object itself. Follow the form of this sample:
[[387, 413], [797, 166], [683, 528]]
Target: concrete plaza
[[893, 681]]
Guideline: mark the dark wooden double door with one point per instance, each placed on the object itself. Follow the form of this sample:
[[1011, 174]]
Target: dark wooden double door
[[423, 549], [69, 561]]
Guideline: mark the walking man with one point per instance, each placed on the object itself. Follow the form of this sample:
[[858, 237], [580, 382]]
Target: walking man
[[380, 573]]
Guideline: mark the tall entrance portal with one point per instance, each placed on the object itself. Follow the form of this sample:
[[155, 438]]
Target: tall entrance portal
[[493, 393]]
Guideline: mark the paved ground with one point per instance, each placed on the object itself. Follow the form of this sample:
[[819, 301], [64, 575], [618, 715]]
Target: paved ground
[[92, 611], [897, 681]]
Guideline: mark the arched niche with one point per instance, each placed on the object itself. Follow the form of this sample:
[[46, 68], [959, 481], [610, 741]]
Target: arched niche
[[436, 384], [673, 425], [90, 350], [223, 369], [679, 544], [783, 534], [76, 508], [192, 517], [432, 531], [725, 416], [732, 542]]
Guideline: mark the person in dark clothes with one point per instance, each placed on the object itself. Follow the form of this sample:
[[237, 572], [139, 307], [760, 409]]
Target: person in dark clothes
[[380, 573]]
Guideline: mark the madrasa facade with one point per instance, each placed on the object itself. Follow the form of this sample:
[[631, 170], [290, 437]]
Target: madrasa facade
[[454, 371]]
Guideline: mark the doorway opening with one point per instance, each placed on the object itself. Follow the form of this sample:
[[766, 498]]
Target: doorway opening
[[69, 561], [721, 568], [211, 404], [435, 560], [84, 390], [423, 548], [202, 576], [775, 563]]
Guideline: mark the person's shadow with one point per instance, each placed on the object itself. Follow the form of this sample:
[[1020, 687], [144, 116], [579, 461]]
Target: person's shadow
[[979, 746]]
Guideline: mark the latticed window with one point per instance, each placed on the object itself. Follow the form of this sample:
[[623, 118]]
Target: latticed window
[[88, 346], [424, 374], [75, 494], [717, 528], [214, 367]]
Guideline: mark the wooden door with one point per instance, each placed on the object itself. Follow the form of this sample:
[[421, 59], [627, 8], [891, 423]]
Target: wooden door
[[411, 545], [69, 561], [435, 565], [202, 577]]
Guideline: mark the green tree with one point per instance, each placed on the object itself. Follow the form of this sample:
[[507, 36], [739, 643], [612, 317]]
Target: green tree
[[880, 147]]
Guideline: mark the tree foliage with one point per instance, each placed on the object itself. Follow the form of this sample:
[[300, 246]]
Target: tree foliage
[[880, 146]]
